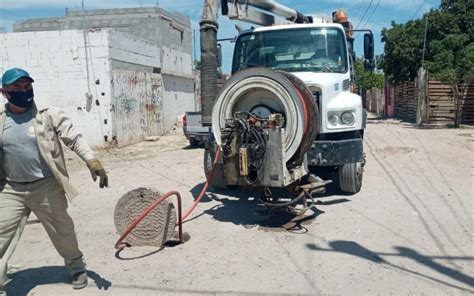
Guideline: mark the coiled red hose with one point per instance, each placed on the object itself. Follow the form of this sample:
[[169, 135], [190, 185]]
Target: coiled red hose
[[120, 244]]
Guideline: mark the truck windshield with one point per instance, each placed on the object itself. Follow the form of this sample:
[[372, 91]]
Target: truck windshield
[[292, 50]]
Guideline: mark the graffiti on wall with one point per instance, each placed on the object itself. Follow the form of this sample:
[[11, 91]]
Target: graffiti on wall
[[138, 98]]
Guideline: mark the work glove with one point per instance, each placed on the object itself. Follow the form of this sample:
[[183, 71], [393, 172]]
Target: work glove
[[97, 169]]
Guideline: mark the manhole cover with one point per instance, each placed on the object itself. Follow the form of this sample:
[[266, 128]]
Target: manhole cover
[[396, 150], [156, 228]]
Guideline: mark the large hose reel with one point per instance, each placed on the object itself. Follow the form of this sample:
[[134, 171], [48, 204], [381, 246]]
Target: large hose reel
[[261, 91]]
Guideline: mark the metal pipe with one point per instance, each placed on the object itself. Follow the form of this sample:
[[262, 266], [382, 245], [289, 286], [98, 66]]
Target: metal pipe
[[277, 9], [273, 7], [209, 62]]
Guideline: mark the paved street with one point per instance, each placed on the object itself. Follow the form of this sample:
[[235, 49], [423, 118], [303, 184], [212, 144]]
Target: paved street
[[409, 231]]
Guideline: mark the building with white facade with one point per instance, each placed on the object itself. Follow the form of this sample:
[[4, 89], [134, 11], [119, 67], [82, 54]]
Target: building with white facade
[[117, 86]]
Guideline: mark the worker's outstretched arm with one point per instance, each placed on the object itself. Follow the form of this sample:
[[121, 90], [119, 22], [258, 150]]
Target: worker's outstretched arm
[[74, 141]]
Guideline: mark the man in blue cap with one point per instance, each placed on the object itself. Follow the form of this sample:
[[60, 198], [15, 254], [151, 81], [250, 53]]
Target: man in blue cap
[[33, 175]]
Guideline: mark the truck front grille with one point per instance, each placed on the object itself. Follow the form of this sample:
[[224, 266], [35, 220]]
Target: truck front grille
[[346, 85]]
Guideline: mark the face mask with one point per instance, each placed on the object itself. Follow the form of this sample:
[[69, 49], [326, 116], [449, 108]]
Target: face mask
[[22, 99]]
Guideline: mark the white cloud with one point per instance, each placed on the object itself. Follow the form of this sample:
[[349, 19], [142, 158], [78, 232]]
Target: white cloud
[[12, 4]]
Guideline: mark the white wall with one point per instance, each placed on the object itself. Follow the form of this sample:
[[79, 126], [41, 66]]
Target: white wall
[[57, 62], [147, 103], [178, 98], [126, 48], [177, 62], [138, 109]]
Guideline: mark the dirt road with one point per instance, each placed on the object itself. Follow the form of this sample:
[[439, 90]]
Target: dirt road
[[409, 231]]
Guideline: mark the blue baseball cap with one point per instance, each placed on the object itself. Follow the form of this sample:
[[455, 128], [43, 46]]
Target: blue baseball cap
[[13, 75]]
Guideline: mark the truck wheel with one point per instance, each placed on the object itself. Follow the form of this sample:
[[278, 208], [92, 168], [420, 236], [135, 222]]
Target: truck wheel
[[193, 142], [350, 177], [218, 181]]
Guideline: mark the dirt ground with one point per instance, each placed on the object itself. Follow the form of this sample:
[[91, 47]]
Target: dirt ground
[[409, 231]]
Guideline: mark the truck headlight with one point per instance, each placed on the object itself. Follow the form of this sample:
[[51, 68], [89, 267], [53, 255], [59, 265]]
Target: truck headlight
[[333, 119], [347, 118]]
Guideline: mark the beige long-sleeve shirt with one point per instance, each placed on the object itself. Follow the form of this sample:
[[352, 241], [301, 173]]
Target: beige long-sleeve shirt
[[52, 127]]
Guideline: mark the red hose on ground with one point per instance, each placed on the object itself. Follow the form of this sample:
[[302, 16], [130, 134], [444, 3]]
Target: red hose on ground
[[120, 244]]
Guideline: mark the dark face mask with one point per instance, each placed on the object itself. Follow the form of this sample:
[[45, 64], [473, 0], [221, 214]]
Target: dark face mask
[[22, 99]]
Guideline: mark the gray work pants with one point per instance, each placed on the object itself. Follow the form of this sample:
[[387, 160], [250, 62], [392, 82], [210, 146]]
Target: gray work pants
[[47, 200]]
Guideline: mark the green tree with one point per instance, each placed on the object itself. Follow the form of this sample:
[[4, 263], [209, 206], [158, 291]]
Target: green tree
[[452, 53], [403, 51], [367, 79], [197, 65]]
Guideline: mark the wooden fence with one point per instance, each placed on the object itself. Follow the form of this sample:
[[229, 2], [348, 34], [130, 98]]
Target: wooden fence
[[467, 104], [406, 101], [441, 106]]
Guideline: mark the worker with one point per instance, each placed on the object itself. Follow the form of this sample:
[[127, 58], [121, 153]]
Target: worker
[[33, 175], [325, 49], [333, 52]]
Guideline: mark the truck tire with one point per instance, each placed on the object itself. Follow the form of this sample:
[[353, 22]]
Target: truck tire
[[218, 180], [350, 177], [193, 142]]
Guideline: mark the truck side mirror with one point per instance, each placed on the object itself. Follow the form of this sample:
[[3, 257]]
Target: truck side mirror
[[369, 46], [219, 55]]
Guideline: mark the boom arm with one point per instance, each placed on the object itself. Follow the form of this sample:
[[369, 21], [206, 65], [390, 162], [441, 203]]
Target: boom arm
[[262, 18]]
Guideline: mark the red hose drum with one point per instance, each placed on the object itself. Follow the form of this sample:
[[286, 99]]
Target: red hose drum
[[279, 91]]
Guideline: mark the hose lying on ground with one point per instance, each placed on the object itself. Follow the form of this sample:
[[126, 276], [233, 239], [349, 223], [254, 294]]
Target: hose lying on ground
[[120, 244]]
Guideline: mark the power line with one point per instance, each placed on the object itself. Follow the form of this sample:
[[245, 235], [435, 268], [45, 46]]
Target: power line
[[416, 12], [372, 13], [363, 16], [370, 16], [356, 12]]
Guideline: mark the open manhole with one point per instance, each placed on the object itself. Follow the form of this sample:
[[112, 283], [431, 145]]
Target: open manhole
[[156, 228]]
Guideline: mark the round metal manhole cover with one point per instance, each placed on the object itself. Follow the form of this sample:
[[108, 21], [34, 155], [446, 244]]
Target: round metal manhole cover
[[156, 228]]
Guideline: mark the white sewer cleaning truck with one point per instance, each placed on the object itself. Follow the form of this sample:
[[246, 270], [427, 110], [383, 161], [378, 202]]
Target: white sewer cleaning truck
[[287, 114]]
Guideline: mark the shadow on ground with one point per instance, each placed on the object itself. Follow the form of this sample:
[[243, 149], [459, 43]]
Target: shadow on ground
[[242, 207], [355, 249], [22, 282]]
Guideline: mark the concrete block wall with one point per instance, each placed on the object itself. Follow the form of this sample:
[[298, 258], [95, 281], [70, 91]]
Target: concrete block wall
[[147, 103], [57, 62], [133, 50], [151, 23], [177, 63], [138, 101]]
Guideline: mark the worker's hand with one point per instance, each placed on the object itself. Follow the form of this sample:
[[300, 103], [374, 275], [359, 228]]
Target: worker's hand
[[97, 169]]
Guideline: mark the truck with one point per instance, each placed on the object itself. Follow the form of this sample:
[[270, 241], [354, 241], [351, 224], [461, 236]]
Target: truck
[[193, 130], [287, 114]]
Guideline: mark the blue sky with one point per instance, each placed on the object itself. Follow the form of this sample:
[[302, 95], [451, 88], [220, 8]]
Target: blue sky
[[369, 14]]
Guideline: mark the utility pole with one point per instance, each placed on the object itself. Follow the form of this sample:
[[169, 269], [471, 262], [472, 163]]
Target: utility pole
[[194, 45], [421, 113], [424, 42], [84, 33]]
